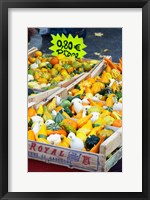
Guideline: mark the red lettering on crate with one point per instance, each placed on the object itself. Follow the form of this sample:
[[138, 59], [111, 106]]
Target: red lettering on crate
[[86, 160], [46, 149], [33, 145], [40, 148], [54, 152], [61, 153]]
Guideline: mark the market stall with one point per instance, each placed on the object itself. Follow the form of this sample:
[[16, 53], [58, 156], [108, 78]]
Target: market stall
[[74, 112]]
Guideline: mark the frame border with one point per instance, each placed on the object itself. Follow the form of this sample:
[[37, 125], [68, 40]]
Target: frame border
[[4, 6]]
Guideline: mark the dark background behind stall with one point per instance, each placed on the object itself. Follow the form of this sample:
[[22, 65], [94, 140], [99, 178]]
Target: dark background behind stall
[[111, 40]]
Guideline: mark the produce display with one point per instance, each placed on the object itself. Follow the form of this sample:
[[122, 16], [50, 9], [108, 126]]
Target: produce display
[[45, 71], [82, 120]]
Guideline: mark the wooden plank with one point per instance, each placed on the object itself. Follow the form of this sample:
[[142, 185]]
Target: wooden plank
[[99, 68], [31, 104], [62, 92], [114, 141], [114, 128], [66, 156], [31, 52], [39, 97], [84, 76], [113, 160], [65, 83]]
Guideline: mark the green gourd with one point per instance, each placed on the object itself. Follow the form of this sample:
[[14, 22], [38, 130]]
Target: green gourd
[[91, 141], [59, 117]]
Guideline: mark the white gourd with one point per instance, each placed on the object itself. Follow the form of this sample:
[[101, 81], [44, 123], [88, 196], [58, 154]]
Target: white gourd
[[36, 127], [85, 100], [77, 106], [117, 106], [95, 116], [76, 143], [37, 119], [58, 100], [48, 122], [54, 139]]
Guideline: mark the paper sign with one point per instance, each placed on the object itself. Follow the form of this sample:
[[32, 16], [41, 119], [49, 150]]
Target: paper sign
[[69, 46]]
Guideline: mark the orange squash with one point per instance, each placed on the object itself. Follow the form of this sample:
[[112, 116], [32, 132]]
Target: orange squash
[[95, 149], [117, 123], [111, 64], [58, 108], [74, 91], [109, 100], [91, 80], [79, 115], [92, 103], [72, 109], [31, 135], [83, 120], [31, 112], [71, 122], [108, 68], [88, 90], [60, 132]]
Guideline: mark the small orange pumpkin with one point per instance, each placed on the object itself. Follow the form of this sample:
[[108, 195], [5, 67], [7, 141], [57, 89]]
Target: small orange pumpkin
[[31, 135]]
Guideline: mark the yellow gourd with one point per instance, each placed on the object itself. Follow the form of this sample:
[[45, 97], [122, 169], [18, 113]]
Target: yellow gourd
[[40, 110], [52, 105], [43, 140], [31, 135], [81, 135], [88, 90], [65, 115], [42, 132], [95, 130], [96, 87], [65, 142], [115, 73], [105, 113], [85, 129], [84, 120], [110, 101]]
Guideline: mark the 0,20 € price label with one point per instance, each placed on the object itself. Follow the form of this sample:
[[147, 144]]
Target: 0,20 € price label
[[69, 46]]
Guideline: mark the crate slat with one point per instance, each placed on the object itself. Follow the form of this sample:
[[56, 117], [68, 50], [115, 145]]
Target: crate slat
[[99, 68], [84, 76], [113, 160], [42, 95], [31, 52], [61, 92], [65, 83], [113, 142]]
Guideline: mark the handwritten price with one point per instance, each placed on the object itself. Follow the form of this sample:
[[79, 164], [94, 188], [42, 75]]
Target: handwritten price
[[68, 46]]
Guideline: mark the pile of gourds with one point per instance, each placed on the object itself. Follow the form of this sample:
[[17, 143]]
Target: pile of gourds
[[45, 72], [80, 121]]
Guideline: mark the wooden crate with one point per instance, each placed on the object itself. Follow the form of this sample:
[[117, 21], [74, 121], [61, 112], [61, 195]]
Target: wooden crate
[[97, 70], [66, 157], [74, 158], [65, 83]]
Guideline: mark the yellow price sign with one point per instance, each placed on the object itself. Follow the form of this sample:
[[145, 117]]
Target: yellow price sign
[[69, 46]]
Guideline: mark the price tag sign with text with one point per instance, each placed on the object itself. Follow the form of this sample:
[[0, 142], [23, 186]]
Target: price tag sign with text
[[69, 46]]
